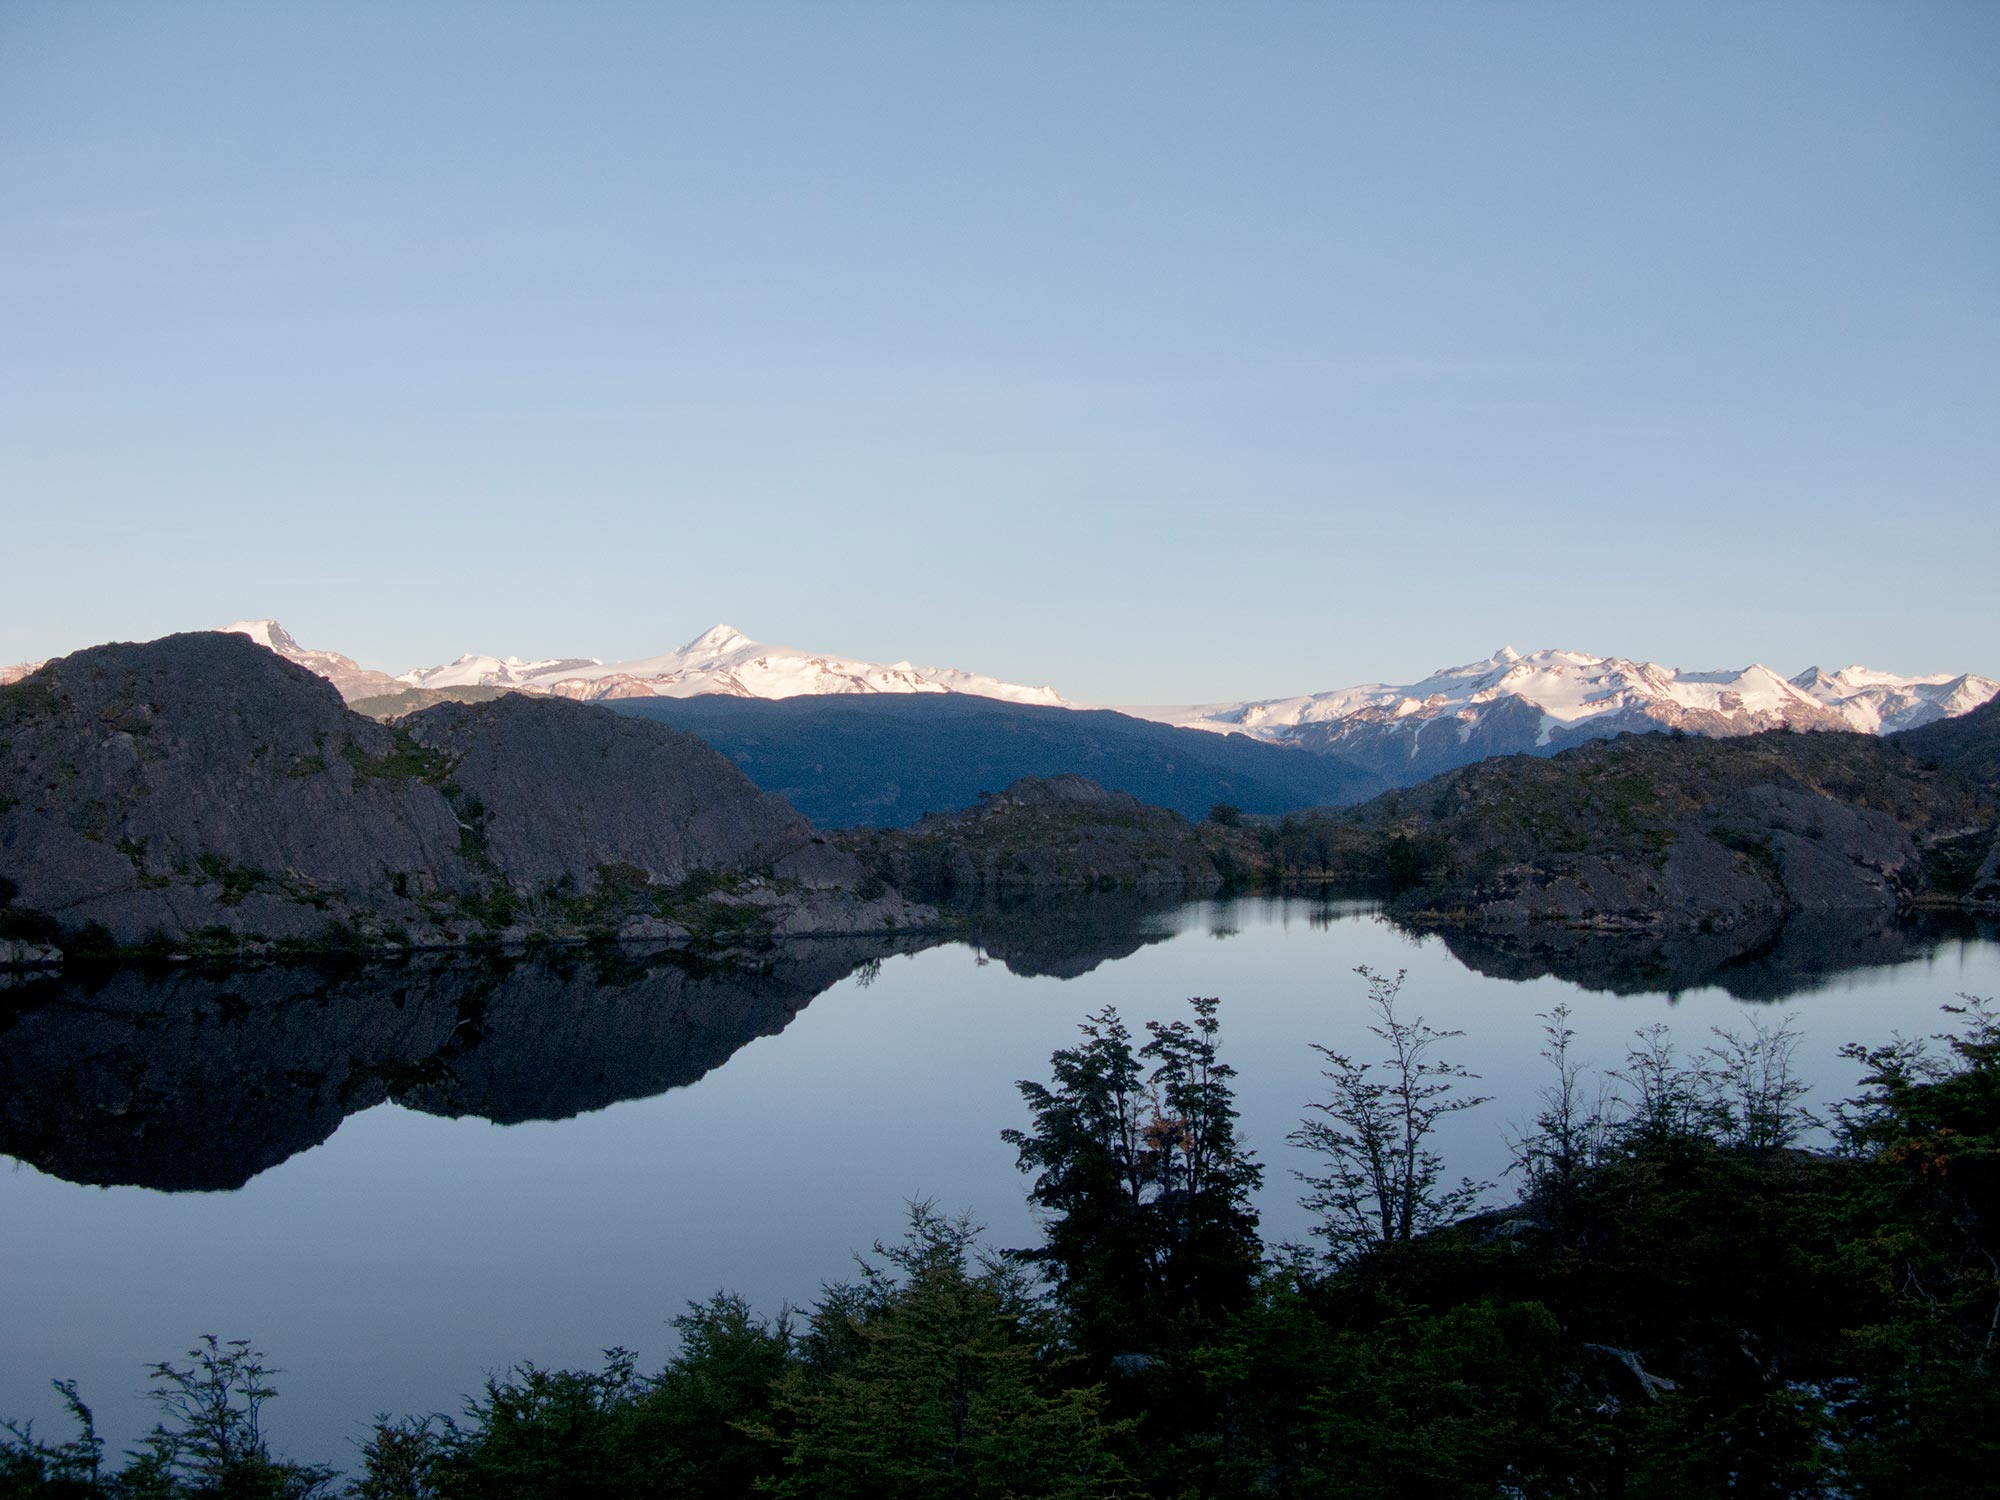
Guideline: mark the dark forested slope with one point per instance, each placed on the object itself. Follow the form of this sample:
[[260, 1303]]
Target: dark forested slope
[[1048, 834], [885, 760]]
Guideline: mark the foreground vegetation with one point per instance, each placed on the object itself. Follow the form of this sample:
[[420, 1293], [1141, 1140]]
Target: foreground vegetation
[[1683, 1302]]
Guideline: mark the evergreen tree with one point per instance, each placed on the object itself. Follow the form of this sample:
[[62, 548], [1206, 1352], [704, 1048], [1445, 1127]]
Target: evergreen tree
[[1202, 1218], [1142, 1183], [940, 1388], [1092, 1156]]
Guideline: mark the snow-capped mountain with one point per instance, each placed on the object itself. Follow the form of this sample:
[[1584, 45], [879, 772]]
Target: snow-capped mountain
[[1512, 703], [344, 672], [720, 660], [1882, 703], [1401, 733]]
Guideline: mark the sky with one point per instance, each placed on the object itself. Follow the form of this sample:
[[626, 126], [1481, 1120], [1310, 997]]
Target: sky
[[1162, 352]]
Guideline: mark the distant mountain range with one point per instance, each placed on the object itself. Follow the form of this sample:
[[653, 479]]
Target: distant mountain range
[[1379, 734], [1576, 692], [719, 661], [1513, 704], [1575, 695]]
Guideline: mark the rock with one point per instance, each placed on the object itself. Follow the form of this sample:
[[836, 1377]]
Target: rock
[[563, 789], [1660, 834], [17, 955], [651, 930], [1968, 744], [199, 781], [1986, 885], [845, 915], [1651, 1386], [199, 792]]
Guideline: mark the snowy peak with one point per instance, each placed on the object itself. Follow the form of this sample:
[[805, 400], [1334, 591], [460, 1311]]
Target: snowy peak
[[470, 670], [267, 633], [349, 676], [1508, 702], [1883, 702], [1543, 700], [717, 640], [721, 660]]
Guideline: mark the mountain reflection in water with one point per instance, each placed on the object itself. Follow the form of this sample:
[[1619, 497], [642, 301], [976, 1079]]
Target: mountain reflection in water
[[184, 1081], [1769, 961], [187, 1082]]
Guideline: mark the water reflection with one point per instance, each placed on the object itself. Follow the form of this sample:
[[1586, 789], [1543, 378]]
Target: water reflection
[[1067, 936], [776, 1116], [1764, 962], [182, 1081], [186, 1081]]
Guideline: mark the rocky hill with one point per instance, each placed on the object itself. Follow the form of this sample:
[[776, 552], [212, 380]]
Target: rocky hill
[[203, 792], [344, 672], [1670, 833], [1054, 834], [1969, 744], [1644, 833]]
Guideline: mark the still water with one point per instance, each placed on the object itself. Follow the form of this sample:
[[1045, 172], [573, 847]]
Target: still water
[[397, 1180]]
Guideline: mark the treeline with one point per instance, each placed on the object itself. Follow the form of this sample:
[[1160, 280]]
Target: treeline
[[1682, 1303]]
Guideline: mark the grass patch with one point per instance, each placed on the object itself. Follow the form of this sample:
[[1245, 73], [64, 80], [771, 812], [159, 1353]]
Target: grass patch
[[1754, 846], [237, 881], [135, 851], [33, 697], [405, 761]]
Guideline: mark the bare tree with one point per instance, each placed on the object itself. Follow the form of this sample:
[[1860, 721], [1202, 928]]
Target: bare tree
[[1758, 1099], [1570, 1130], [1383, 1183], [1663, 1100], [211, 1435]]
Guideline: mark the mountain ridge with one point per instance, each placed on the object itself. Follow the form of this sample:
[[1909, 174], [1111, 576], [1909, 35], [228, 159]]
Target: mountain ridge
[[1386, 734], [722, 661]]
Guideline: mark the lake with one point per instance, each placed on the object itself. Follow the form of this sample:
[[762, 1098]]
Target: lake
[[394, 1180]]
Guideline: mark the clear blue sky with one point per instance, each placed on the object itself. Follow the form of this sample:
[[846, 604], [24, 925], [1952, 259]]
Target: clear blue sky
[[1160, 351]]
